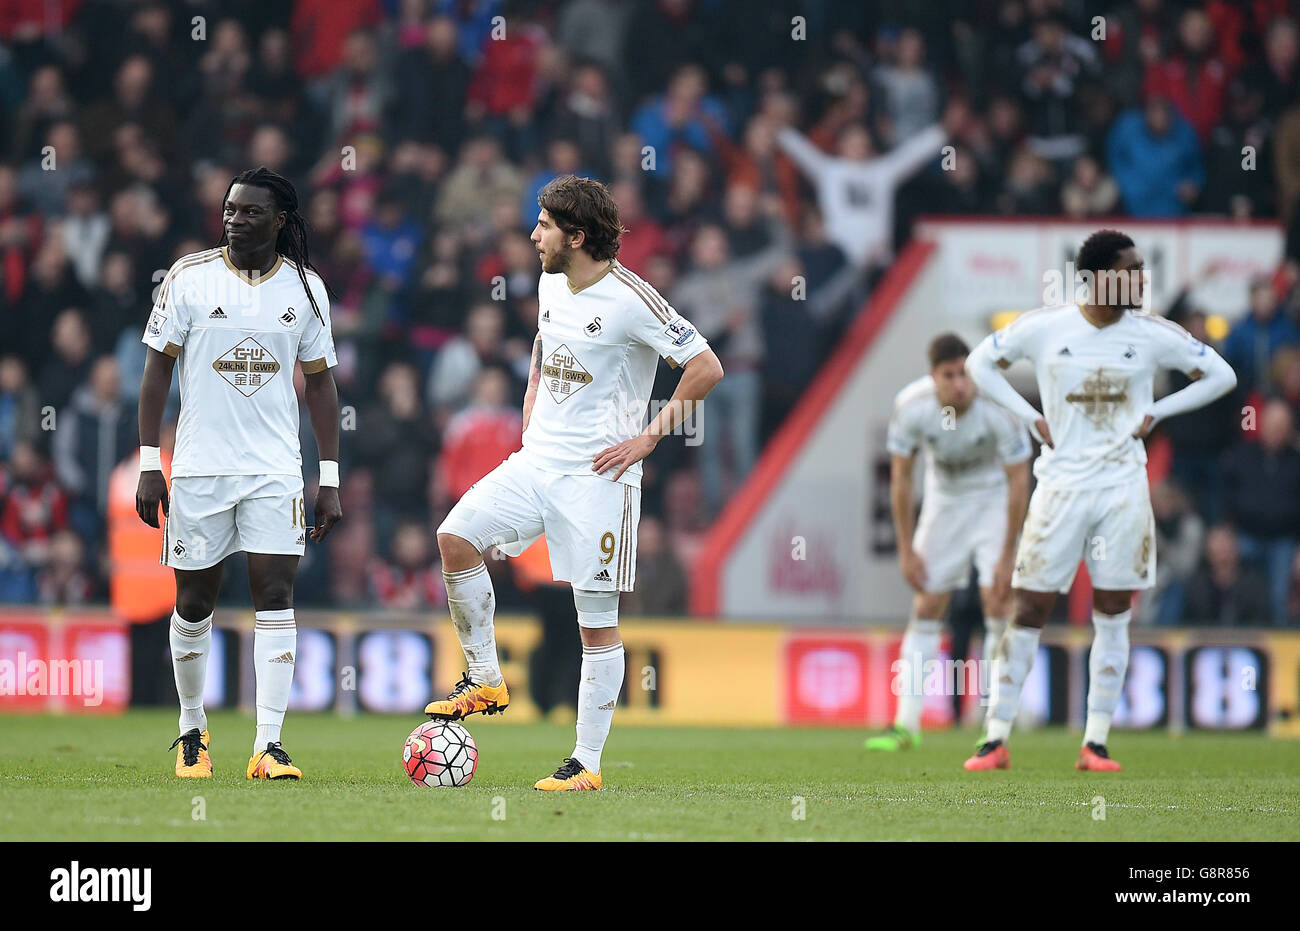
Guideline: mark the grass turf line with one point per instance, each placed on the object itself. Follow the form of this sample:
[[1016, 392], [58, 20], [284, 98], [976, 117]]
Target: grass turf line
[[86, 778]]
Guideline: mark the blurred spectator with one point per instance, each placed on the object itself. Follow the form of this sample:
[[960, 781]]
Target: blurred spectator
[[85, 231], [680, 117], [409, 581], [855, 188], [720, 295], [1089, 192], [1200, 440], [585, 114], [481, 177], [460, 359], [45, 180], [32, 506], [95, 432], [787, 323], [1257, 335], [1263, 502], [660, 580], [1156, 160], [1180, 534], [911, 96], [1053, 64], [595, 30], [1224, 593], [480, 437], [63, 580], [20, 409], [71, 363], [1240, 155], [432, 81], [1275, 77], [397, 440], [1194, 80]]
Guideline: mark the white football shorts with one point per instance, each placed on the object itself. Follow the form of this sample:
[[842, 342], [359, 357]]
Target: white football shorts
[[953, 532], [212, 516], [1111, 529], [590, 522]]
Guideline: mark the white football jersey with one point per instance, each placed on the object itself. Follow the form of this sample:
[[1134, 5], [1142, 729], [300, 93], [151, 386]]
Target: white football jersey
[[600, 347], [1096, 384], [235, 339], [963, 454]]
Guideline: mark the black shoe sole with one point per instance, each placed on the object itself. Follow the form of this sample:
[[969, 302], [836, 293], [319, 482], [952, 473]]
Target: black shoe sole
[[493, 709]]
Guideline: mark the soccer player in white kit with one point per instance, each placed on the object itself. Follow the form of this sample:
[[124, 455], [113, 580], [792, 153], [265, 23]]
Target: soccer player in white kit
[[976, 488], [601, 332], [1095, 364], [233, 321]]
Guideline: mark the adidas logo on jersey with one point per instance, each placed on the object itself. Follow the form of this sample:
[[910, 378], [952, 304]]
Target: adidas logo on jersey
[[218, 314], [1065, 351], [546, 316], [603, 576], [285, 657]]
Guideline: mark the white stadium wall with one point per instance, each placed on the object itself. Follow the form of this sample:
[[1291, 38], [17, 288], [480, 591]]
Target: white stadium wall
[[808, 539]]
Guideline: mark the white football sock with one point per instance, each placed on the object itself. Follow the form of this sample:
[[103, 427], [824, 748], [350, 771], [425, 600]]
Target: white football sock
[[275, 644], [1106, 668], [472, 603], [191, 643], [1011, 665], [920, 647], [994, 628], [602, 680]]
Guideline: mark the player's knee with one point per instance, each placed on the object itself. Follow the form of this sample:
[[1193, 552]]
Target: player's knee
[[597, 611], [1031, 610], [194, 606], [457, 553], [1111, 602], [275, 596]]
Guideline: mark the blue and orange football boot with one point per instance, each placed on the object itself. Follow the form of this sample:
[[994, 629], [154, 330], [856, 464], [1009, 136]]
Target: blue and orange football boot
[[1094, 757], [272, 763], [572, 776], [469, 697], [992, 754], [192, 759]]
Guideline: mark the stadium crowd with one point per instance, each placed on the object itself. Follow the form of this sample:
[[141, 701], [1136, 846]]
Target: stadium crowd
[[743, 152]]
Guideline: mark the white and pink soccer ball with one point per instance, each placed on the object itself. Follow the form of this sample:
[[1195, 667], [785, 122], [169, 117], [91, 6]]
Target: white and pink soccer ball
[[440, 754]]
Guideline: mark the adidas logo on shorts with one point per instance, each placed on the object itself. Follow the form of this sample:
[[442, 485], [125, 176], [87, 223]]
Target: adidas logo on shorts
[[603, 576], [217, 314]]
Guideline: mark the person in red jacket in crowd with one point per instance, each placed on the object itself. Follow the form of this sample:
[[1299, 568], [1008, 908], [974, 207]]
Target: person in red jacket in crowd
[[1194, 80], [33, 508], [408, 580], [480, 437]]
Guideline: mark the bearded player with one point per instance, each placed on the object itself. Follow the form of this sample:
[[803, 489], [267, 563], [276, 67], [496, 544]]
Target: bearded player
[[233, 320], [1095, 364], [601, 333], [976, 488]]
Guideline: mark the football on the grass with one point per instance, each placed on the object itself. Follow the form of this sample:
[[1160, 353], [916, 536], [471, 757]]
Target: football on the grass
[[440, 753]]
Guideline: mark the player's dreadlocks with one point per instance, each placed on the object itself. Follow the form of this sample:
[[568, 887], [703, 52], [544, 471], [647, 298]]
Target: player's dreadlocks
[[291, 242]]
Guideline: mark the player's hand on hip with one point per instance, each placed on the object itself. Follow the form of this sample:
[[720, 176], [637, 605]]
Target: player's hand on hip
[[623, 455], [1044, 432], [913, 569], [1144, 429], [328, 512], [150, 492]]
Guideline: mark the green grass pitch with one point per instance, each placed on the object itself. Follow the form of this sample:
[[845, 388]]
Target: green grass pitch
[[78, 778]]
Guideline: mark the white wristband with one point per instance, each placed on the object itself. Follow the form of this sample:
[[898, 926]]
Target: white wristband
[[150, 459], [329, 473]]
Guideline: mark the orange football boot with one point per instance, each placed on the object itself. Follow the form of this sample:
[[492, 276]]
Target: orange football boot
[[1094, 757], [992, 754], [572, 776], [272, 763], [192, 759], [469, 697]]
